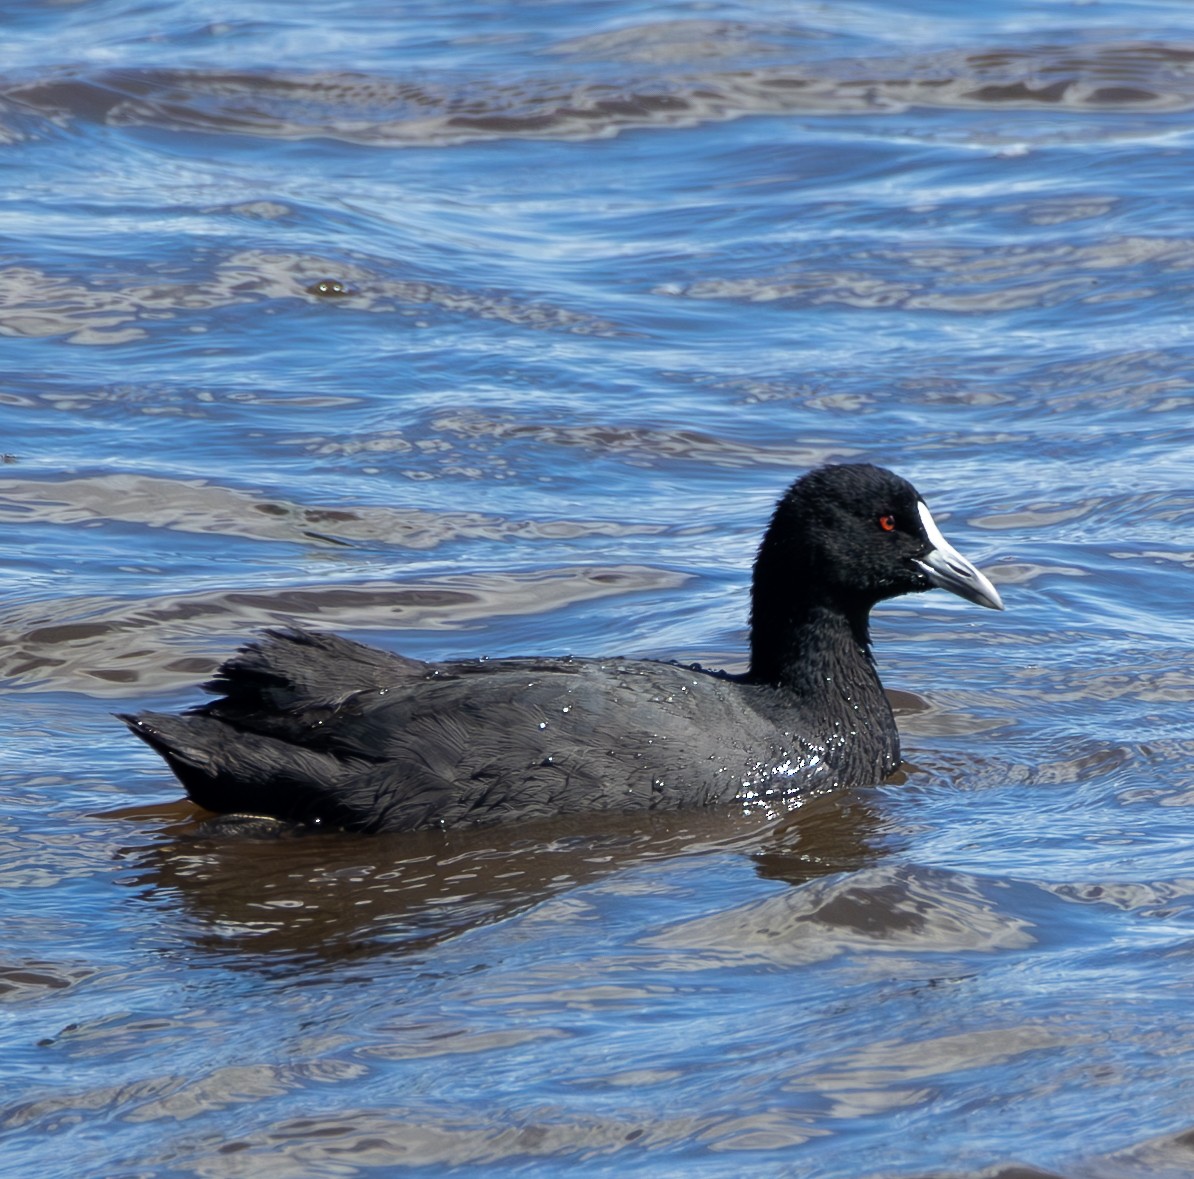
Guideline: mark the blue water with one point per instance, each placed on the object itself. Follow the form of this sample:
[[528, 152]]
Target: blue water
[[475, 328]]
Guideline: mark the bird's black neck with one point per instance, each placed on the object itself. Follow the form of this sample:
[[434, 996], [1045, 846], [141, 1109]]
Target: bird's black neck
[[823, 659], [803, 649]]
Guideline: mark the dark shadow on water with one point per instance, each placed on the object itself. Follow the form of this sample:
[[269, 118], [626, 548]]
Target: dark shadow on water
[[839, 831], [272, 899]]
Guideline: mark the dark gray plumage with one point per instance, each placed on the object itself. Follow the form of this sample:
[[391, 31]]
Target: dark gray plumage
[[313, 728]]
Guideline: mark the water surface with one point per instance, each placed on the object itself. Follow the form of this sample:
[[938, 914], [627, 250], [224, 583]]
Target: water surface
[[497, 329]]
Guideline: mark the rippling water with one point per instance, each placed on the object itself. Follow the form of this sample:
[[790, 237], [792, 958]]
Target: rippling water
[[498, 329]]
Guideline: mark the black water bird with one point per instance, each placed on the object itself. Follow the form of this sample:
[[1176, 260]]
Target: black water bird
[[319, 730]]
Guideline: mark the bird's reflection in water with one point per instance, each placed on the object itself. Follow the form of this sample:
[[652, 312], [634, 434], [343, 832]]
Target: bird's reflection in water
[[267, 895], [838, 831]]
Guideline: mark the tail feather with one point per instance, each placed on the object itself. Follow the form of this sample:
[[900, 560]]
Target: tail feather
[[269, 745], [227, 770], [292, 670]]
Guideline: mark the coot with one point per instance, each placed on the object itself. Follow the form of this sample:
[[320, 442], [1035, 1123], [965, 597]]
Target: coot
[[316, 729]]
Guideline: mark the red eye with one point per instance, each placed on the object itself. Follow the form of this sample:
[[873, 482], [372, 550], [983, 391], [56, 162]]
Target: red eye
[[887, 522]]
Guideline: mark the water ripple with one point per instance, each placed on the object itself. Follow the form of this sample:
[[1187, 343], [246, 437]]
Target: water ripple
[[380, 111]]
